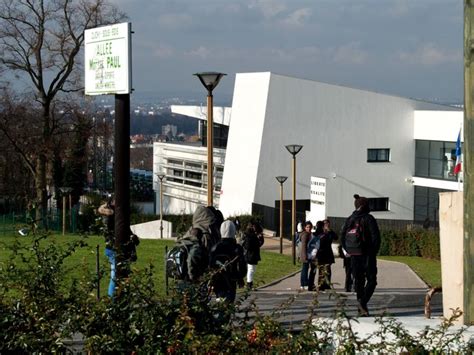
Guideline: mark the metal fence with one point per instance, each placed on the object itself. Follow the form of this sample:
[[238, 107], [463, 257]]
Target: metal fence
[[14, 222]]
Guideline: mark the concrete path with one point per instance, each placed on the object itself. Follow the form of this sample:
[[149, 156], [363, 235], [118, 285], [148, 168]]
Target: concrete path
[[400, 293]]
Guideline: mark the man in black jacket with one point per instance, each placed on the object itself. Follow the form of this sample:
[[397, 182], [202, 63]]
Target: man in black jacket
[[360, 238]]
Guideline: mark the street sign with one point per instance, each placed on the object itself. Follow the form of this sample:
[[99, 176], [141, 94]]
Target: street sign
[[107, 64]]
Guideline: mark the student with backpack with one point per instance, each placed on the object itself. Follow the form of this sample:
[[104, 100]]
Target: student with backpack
[[227, 261], [360, 238], [188, 259]]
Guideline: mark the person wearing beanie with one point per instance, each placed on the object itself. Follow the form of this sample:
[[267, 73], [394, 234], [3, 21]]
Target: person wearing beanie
[[228, 263], [360, 238]]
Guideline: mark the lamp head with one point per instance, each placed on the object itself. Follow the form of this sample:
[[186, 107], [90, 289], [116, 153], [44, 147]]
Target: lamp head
[[65, 190], [281, 179], [210, 79], [160, 176], [293, 148]]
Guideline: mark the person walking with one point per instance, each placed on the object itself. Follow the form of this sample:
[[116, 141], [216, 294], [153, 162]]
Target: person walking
[[228, 262], [312, 252], [325, 255], [107, 211], [252, 240], [360, 238], [304, 238]]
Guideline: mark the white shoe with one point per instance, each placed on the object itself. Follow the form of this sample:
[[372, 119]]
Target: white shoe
[[304, 288]]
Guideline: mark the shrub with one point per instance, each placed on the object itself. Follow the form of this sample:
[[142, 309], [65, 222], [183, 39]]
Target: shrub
[[417, 242]]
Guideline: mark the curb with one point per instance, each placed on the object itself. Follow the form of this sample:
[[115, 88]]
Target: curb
[[271, 283]]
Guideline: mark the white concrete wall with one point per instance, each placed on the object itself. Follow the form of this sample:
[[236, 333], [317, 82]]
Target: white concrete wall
[[244, 143], [438, 125], [221, 115], [151, 230]]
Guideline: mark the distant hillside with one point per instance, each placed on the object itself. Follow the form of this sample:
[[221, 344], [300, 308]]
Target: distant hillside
[[151, 124]]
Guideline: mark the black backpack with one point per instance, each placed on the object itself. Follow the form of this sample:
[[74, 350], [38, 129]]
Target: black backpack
[[177, 262], [355, 238]]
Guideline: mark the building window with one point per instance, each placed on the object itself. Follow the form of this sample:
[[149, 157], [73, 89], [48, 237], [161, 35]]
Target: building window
[[378, 204], [175, 162], [435, 159], [193, 175], [378, 155], [427, 205]]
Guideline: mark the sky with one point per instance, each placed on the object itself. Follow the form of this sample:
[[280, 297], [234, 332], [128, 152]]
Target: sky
[[410, 48]]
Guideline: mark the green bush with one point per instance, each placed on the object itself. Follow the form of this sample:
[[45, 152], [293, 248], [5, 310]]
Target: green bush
[[417, 242]]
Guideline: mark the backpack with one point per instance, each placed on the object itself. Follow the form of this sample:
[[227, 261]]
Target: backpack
[[298, 244], [355, 238], [228, 265], [313, 247], [177, 262]]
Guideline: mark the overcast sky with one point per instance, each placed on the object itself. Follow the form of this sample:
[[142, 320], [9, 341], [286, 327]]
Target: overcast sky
[[410, 48]]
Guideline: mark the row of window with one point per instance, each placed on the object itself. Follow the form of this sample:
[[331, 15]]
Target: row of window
[[192, 173]]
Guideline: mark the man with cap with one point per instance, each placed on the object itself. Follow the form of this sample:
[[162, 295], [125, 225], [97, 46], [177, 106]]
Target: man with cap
[[360, 238], [228, 263]]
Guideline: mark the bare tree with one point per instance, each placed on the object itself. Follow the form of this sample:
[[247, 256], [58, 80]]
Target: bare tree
[[39, 43]]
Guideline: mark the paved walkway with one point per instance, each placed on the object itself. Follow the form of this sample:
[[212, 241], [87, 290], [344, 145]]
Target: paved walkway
[[400, 293]]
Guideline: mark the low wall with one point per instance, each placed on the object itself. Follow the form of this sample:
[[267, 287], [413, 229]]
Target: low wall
[[451, 247], [151, 230]]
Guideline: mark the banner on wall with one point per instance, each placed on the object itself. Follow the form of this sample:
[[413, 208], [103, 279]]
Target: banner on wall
[[317, 200]]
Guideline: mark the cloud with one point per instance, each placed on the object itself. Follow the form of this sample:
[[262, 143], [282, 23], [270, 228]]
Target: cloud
[[430, 54], [350, 53], [200, 52], [175, 21], [298, 17], [268, 8], [163, 51]]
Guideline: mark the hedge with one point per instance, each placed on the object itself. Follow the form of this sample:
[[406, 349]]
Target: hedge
[[417, 242]]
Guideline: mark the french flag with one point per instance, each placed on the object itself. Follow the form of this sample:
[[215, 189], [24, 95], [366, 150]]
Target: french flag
[[457, 167]]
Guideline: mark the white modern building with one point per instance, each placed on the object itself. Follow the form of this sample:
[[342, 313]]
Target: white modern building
[[396, 151]]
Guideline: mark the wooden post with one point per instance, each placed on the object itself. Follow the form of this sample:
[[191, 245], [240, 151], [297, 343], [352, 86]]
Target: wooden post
[[281, 218], [293, 209], [210, 152], [468, 264]]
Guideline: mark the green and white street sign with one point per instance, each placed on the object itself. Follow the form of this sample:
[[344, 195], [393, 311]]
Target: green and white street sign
[[108, 60]]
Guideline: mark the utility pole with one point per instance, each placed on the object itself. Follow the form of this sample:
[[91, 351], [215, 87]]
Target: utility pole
[[468, 223]]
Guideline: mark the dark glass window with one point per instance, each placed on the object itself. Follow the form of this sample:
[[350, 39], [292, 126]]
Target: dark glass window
[[221, 133], [427, 204], [193, 175], [175, 162], [378, 155], [435, 159], [378, 204]]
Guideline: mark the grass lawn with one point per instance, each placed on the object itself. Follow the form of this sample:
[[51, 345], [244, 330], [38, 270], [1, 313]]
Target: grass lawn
[[273, 266], [427, 269]]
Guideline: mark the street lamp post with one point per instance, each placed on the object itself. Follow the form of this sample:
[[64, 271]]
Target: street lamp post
[[281, 180], [64, 191], [293, 149], [210, 81], [161, 177]]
